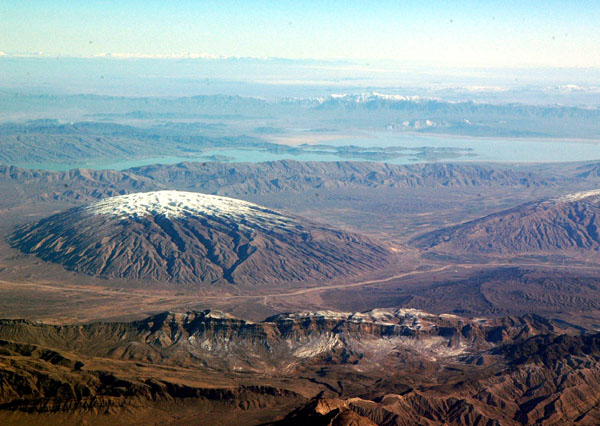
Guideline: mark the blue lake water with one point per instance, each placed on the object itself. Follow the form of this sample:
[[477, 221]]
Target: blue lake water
[[486, 149], [479, 149]]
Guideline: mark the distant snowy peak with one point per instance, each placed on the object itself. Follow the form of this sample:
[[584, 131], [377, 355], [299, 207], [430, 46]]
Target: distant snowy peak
[[421, 124], [373, 96], [573, 88]]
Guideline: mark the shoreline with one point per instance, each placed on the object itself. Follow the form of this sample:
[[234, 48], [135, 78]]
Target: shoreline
[[298, 138]]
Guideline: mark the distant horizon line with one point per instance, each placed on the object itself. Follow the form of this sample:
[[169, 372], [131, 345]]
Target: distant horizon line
[[211, 57]]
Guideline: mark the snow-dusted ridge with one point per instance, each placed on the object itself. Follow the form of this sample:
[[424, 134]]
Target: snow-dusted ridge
[[407, 317], [371, 96], [580, 195], [175, 204]]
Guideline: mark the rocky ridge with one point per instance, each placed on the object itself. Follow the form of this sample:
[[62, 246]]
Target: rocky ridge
[[284, 341], [570, 222], [510, 371]]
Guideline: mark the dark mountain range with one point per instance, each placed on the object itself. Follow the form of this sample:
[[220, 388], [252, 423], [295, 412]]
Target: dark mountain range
[[78, 185], [289, 175], [195, 239], [81, 185], [567, 223]]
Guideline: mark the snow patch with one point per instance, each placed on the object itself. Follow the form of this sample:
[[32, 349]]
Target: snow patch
[[324, 343], [410, 318], [580, 195], [174, 204], [371, 96]]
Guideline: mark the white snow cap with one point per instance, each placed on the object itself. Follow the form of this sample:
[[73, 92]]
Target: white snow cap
[[177, 204]]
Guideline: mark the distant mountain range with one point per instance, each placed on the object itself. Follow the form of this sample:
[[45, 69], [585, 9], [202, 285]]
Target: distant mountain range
[[367, 111], [234, 180]]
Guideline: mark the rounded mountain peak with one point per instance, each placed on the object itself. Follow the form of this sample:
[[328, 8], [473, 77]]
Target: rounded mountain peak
[[196, 239]]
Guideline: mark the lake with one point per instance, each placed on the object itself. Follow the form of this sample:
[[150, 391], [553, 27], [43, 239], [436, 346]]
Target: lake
[[474, 149]]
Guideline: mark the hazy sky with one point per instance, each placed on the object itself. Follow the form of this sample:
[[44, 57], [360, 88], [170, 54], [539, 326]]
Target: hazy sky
[[454, 33]]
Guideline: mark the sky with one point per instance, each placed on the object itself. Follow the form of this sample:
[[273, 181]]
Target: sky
[[440, 33]]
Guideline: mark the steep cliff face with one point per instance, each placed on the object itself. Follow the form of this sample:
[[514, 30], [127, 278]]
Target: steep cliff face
[[196, 239], [284, 342]]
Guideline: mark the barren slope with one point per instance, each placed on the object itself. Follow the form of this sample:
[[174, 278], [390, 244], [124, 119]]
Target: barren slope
[[571, 222]]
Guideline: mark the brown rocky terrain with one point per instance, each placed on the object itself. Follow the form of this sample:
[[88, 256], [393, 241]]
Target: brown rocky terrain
[[385, 366], [193, 239], [549, 380], [322, 367], [571, 222], [286, 175], [80, 185]]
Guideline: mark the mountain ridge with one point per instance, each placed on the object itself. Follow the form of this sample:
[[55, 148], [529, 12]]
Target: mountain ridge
[[569, 222]]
